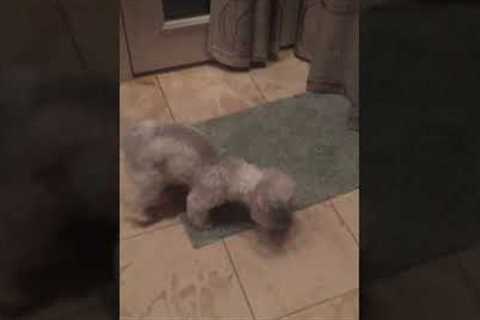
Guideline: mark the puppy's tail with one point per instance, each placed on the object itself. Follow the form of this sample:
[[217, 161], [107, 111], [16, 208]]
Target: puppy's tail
[[135, 135]]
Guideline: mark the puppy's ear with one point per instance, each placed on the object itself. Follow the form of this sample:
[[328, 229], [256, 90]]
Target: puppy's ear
[[294, 204], [282, 184], [258, 198], [290, 184]]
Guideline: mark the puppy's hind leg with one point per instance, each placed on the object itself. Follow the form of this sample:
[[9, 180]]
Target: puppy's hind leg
[[149, 200]]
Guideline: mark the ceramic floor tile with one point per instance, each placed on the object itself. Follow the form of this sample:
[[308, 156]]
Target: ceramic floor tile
[[319, 261], [141, 99], [436, 290], [128, 229], [345, 307], [348, 207], [207, 92], [283, 78], [163, 277]]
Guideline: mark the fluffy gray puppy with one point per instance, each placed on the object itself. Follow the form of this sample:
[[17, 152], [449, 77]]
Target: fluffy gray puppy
[[160, 156]]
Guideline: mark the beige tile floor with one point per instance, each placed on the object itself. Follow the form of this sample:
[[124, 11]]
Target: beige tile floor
[[314, 277]]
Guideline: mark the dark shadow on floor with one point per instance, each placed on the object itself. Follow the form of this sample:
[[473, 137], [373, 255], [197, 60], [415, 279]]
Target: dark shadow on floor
[[420, 154]]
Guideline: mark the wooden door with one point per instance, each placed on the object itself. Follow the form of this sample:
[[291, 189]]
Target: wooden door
[[163, 34]]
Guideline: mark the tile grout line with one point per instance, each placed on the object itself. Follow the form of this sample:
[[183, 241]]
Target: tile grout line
[[242, 288], [164, 95], [257, 87], [337, 212], [313, 305], [133, 236]]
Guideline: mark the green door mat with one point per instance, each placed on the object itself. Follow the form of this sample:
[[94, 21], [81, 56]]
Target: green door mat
[[307, 136]]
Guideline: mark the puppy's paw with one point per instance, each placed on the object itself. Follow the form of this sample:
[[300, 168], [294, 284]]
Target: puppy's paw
[[139, 221], [208, 226], [201, 225]]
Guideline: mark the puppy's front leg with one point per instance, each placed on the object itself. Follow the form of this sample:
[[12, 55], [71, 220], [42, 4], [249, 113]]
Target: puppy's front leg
[[199, 204]]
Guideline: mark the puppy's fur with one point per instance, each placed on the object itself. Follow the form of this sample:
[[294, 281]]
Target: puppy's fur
[[161, 156]]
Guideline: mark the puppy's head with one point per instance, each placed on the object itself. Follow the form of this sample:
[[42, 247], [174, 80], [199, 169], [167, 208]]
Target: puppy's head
[[272, 206]]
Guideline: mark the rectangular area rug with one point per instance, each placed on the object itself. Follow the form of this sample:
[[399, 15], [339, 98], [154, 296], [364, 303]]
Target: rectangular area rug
[[306, 136]]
